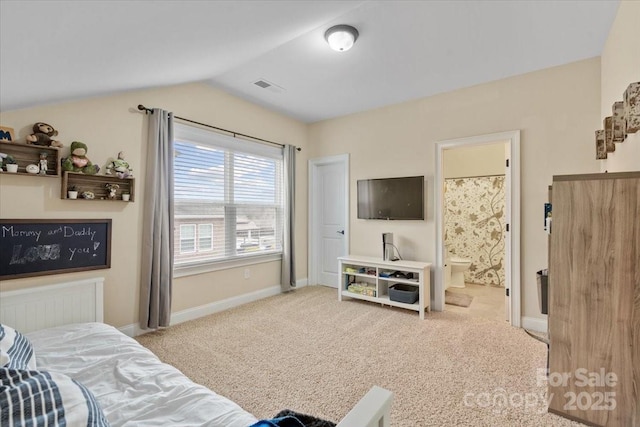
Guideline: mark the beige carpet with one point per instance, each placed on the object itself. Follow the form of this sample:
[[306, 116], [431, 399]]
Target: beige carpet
[[461, 300], [308, 352]]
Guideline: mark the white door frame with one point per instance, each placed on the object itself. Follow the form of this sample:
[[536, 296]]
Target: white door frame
[[314, 205], [513, 238]]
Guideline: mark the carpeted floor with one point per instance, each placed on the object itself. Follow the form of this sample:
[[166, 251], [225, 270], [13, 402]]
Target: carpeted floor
[[310, 353], [459, 299]]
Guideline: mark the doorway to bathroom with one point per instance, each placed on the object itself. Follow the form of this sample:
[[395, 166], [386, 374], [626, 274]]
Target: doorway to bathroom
[[477, 224]]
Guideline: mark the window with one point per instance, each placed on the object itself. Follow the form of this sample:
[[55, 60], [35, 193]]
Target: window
[[232, 190], [205, 237], [187, 238]]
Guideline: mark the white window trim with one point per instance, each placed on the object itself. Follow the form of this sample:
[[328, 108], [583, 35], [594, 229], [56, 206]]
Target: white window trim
[[187, 269]]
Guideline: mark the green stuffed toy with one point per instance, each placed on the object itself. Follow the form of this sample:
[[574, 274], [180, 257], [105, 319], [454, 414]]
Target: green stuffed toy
[[78, 161], [120, 167]]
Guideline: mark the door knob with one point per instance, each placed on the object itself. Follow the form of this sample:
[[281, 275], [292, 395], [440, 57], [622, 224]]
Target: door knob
[[340, 232]]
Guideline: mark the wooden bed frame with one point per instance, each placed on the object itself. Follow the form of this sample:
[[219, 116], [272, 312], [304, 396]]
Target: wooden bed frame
[[42, 307]]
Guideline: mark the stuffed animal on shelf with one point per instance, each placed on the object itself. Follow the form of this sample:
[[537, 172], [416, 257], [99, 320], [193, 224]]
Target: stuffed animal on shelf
[[120, 167], [42, 134], [78, 160], [113, 188]]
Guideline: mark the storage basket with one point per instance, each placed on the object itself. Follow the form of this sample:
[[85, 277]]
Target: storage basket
[[400, 292]]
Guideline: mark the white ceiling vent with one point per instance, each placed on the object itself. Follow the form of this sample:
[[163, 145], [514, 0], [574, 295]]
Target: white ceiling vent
[[265, 84], [262, 84]]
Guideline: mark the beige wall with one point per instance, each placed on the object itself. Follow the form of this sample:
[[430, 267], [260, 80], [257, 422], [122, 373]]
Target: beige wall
[[482, 160], [556, 110], [110, 124], [621, 66]]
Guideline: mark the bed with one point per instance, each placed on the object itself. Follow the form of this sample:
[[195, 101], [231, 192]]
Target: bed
[[101, 372]]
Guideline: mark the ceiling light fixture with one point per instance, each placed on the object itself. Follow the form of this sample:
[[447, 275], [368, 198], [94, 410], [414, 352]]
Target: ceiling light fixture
[[341, 37]]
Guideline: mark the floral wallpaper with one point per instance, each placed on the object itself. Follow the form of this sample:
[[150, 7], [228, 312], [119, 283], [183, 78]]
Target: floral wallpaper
[[475, 225]]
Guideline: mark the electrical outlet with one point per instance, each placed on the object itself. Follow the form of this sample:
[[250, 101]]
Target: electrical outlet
[[247, 273]]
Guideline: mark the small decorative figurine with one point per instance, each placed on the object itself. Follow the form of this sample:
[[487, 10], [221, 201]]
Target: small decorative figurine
[[113, 188], [32, 168], [43, 163]]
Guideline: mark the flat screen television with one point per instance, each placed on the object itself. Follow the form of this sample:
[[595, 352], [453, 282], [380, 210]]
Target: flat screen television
[[391, 198]]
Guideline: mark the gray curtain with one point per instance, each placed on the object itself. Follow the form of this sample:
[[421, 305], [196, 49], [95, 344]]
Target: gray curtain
[[157, 227], [288, 248]]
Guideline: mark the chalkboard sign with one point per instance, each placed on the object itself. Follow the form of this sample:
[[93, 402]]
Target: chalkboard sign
[[37, 247]]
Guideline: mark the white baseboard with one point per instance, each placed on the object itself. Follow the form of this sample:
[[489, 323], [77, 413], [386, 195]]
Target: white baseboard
[[218, 306], [207, 309], [133, 330], [534, 324], [215, 307]]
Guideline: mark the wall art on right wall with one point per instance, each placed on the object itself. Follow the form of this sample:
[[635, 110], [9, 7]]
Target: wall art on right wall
[[632, 108], [608, 134], [601, 146], [617, 123]]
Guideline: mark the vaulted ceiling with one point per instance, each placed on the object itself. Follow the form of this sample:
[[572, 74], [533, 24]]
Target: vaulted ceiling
[[52, 51]]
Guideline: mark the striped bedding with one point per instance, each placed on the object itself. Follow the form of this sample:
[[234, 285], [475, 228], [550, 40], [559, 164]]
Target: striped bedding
[[15, 349], [40, 398]]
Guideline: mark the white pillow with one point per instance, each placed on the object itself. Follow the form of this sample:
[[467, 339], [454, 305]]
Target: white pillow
[[41, 398], [16, 351]]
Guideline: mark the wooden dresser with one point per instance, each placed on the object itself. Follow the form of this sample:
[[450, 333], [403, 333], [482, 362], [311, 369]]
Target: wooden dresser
[[594, 299]]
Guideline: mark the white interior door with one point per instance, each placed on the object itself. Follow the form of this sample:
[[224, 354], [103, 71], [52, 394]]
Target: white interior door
[[329, 217]]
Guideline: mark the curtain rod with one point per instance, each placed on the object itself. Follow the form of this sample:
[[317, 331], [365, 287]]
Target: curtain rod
[[475, 176], [235, 134]]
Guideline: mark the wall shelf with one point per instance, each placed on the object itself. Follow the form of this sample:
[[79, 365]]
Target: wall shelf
[[25, 154], [96, 184]]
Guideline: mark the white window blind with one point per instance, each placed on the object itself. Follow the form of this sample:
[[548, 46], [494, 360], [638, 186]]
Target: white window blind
[[233, 190]]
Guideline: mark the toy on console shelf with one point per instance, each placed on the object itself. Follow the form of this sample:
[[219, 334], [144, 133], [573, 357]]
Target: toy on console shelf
[[78, 160], [120, 167], [42, 134]]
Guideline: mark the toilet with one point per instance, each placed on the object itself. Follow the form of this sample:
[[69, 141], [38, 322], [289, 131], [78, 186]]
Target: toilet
[[455, 267]]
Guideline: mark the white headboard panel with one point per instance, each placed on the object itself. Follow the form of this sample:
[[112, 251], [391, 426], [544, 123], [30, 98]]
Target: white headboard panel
[[32, 309]]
